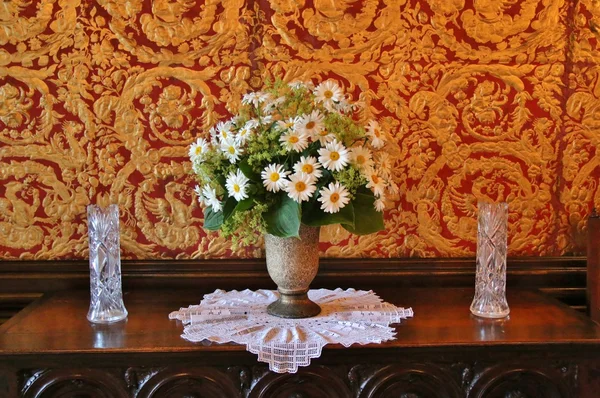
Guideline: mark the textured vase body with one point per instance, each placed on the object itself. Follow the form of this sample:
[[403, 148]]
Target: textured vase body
[[293, 264], [106, 303], [490, 279]]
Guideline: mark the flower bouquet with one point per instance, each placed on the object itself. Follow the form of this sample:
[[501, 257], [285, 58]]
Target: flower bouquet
[[294, 155], [293, 159]]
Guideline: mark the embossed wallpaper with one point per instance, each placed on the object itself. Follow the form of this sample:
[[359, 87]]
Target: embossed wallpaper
[[483, 99]]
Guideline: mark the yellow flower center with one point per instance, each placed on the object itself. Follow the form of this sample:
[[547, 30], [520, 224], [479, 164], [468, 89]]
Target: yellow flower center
[[377, 133], [300, 186], [334, 156], [231, 150], [328, 94], [307, 168], [236, 188], [334, 197], [310, 125], [243, 132], [274, 177], [289, 125], [198, 150], [360, 159], [224, 134], [323, 133], [294, 139], [375, 179]]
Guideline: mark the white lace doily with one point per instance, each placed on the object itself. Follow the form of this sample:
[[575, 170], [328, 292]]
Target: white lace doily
[[347, 317]]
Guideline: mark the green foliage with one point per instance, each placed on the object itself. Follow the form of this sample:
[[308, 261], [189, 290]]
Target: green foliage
[[212, 220], [283, 218], [315, 217], [277, 213], [351, 178], [366, 219]]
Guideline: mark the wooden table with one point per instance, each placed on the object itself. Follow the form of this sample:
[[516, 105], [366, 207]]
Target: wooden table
[[544, 349]]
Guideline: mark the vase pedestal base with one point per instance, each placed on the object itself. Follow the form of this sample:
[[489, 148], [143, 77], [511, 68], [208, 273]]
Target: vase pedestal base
[[293, 306]]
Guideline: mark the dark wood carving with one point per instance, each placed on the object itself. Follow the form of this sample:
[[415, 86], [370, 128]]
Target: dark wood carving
[[189, 382], [593, 267], [73, 383], [315, 382], [408, 380], [514, 381], [405, 380]]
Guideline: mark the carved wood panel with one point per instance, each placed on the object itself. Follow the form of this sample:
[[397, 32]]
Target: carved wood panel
[[405, 379]]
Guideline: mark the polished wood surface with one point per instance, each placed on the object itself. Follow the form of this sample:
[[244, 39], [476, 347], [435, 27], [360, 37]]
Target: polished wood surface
[[21, 282], [58, 324], [593, 267], [543, 349]]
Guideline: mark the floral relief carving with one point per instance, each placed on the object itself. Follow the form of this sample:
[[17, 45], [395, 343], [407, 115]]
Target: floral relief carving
[[496, 100]]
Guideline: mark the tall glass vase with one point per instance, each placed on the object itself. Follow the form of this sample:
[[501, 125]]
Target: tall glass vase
[[106, 304], [490, 279]]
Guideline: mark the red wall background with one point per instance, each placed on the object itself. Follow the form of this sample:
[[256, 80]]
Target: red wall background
[[483, 100]]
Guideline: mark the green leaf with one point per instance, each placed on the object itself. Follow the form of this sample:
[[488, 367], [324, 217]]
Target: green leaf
[[229, 207], [283, 218], [367, 220], [232, 205], [313, 216], [248, 172], [212, 220], [244, 205]]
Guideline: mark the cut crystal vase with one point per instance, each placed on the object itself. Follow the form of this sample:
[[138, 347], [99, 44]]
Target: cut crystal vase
[[490, 278], [106, 304]]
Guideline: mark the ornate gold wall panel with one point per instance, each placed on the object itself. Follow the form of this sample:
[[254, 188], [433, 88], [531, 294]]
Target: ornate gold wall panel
[[495, 100]]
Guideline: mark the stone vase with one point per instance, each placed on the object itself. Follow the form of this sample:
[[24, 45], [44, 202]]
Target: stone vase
[[293, 264]]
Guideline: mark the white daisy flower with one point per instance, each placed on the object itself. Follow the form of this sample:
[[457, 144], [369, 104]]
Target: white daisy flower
[[237, 185], [210, 197], [379, 204], [253, 98], [272, 104], [334, 197], [224, 130], [310, 166], [231, 149], [267, 119], [199, 196], [243, 134], [361, 157], [252, 124], [294, 141], [328, 93], [334, 156], [311, 124], [375, 183], [274, 177], [324, 137], [198, 150], [296, 85], [300, 187], [393, 188], [214, 136], [288, 124], [376, 135], [234, 121], [343, 106], [384, 163]]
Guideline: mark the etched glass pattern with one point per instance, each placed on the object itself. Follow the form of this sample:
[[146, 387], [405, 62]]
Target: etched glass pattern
[[490, 280], [106, 304]]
